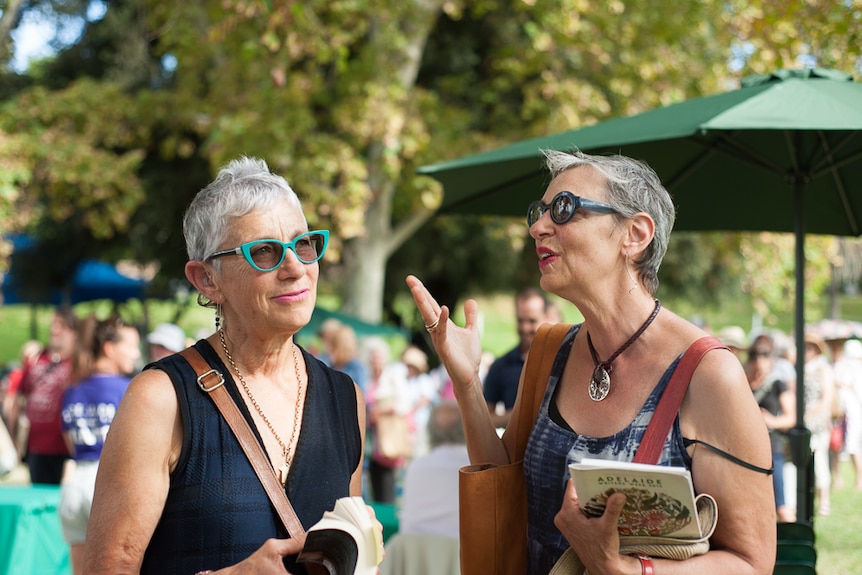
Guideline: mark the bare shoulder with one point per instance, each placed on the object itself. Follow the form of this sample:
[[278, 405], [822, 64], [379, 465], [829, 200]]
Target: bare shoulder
[[719, 378], [151, 390], [147, 420], [720, 409]]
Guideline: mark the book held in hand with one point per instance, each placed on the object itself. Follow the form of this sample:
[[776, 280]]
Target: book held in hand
[[345, 541], [660, 500]]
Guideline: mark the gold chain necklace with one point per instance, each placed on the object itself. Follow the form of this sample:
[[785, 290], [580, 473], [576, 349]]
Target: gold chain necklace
[[285, 449]]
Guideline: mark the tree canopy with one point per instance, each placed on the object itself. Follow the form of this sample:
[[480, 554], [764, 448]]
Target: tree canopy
[[103, 145]]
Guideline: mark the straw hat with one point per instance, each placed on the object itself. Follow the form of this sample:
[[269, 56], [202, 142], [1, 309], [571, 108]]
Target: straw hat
[[732, 336], [415, 357], [817, 341]]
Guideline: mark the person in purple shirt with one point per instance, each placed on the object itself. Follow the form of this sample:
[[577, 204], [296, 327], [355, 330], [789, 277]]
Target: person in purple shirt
[[107, 351]]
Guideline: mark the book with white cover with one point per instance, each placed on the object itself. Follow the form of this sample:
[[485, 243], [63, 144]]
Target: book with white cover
[[344, 542], [660, 500]]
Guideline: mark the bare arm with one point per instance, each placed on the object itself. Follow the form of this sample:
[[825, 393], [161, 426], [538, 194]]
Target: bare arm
[[356, 478], [499, 420], [140, 451], [460, 351], [720, 410]]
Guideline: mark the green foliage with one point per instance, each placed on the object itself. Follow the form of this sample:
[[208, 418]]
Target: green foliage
[[701, 266], [347, 98], [459, 256], [768, 262], [780, 34]]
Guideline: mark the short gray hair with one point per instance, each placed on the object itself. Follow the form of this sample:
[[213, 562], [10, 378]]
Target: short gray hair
[[633, 187], [242, 186], [444, 425]]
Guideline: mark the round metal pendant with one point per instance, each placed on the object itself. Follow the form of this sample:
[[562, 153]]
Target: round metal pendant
[[600, 384]]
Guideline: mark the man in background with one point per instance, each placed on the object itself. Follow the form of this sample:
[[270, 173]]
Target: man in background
[[430, 500], [532, 309]]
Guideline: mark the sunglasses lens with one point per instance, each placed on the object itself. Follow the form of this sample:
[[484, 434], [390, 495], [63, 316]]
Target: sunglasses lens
[[562, 208], [266, 255], [534, 212], [309, 247]]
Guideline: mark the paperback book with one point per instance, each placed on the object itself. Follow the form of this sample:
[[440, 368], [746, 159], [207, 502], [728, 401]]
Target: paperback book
[[344, 542], [660, 500]]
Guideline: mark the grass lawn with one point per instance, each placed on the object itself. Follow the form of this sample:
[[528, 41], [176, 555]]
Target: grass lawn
[[839, 536], [497, 318]]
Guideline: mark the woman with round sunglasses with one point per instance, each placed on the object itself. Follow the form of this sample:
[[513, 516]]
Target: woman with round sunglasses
[[175, 493], [601, 230]]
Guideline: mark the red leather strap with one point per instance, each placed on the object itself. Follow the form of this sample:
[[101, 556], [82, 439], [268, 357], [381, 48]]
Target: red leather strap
[[665, 413], [212, 382], [646, 564]]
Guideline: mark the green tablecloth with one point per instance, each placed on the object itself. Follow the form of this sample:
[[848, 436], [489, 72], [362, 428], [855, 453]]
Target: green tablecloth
[[387, 514], [31, 541]]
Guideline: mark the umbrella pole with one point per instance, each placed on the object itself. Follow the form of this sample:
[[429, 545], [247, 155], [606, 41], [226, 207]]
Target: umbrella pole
[[800, 436]]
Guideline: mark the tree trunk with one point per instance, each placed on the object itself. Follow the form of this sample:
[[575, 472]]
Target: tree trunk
[[365, 257], [8, 18]]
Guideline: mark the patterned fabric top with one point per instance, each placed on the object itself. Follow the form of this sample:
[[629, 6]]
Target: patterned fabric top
[[552, 447]]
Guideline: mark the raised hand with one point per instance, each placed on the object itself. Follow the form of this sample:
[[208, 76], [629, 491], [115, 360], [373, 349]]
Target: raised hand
[[459, 348]]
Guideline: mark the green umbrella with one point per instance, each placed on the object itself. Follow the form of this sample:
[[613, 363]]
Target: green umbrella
[[781, 153]]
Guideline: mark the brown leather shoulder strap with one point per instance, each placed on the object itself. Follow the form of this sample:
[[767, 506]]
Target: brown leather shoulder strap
[[537, 370], [668, 406], [211, 381]]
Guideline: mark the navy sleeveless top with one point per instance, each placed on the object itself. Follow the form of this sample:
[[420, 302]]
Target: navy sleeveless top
[[553, 446], [217, 512]]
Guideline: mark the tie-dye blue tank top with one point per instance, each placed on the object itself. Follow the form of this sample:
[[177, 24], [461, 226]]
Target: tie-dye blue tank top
[[552, 447]]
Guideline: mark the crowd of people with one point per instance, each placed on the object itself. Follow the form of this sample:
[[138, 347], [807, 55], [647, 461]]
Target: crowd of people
[[355, 416], [833, 404], [60, 400]]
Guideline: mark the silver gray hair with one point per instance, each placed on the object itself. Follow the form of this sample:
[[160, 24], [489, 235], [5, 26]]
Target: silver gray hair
[[242, 186], [445, 426], [633, 187]]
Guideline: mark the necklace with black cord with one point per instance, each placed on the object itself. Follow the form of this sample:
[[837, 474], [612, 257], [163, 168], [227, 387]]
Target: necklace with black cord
[[600, 382]]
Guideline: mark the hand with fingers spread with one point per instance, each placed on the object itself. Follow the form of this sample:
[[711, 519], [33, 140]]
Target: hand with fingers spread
[[459, 348]]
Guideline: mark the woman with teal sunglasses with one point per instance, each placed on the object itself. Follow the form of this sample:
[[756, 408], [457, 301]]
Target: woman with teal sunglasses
[[190, 501]]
